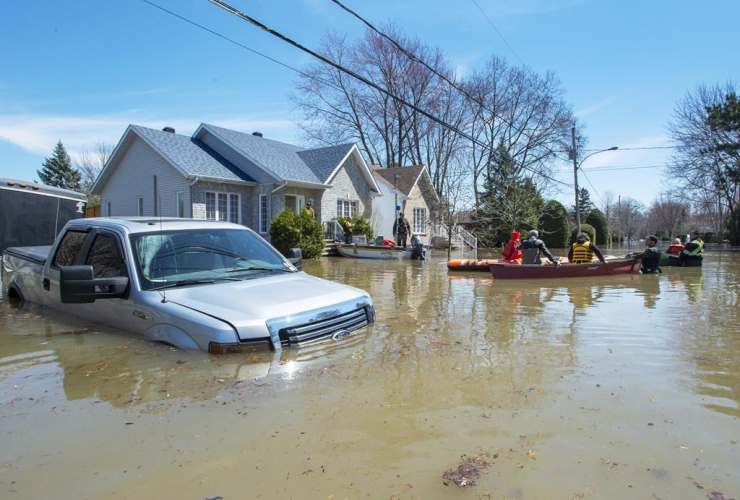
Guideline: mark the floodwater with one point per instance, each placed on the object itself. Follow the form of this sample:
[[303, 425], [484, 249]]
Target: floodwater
[[605, 388]]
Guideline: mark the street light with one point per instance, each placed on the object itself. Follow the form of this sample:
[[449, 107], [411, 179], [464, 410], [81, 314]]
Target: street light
[[576, 166]]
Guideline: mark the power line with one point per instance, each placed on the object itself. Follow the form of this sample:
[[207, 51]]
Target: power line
[[499, 33], [592, 187], [417, 59], [364, 80], [631, 149], [615, 168]]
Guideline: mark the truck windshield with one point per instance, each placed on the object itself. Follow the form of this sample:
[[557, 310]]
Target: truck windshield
[[197, 256]]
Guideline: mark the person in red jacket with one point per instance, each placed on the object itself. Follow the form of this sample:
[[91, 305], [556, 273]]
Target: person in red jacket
[[675, 247], [510, 254]]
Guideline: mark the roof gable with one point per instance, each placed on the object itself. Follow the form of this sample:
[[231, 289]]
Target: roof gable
[[402, 179], [323, 161]]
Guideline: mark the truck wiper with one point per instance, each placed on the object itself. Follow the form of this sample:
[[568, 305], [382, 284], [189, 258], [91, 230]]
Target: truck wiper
[[209, 281], [258, 268]]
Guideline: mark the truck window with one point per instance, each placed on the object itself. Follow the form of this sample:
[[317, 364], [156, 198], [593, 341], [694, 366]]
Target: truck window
[[105, 258], [69, 248]]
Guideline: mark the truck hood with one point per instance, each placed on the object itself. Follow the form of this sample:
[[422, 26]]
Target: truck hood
[[248, 305]]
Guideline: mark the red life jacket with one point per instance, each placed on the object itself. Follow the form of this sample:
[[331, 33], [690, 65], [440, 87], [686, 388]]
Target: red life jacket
[[674, 249]]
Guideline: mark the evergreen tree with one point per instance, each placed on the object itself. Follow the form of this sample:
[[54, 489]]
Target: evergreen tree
[[57, 171], [600, 225], [509, 202], [585, 205], [555, 225]]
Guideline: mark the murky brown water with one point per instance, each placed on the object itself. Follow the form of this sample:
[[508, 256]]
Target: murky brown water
[[611, 388]]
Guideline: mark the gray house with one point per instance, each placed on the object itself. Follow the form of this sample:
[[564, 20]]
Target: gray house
[[222, 174]]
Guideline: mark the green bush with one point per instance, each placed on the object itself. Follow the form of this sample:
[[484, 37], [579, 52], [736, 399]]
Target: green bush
[[555, 225], [600, 225], [585, 228], [360, 225], [290, 230]]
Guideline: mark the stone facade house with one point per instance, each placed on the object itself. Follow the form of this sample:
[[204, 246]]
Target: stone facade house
[[410, 189], [222, 174]]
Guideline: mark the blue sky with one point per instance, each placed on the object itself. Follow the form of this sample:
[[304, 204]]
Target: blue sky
[[82, 70]]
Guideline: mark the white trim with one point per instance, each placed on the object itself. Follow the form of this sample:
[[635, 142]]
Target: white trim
[[179, 200], [40, 193], [217, 208], [260, 218]]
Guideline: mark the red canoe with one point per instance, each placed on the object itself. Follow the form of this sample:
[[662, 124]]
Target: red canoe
[[536, 271]]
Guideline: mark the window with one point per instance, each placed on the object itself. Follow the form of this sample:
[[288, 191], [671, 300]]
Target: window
[[263, 214], [223, 206], [105, 258], [346, 208], [69, 248], [140, 206], [180, 208], [108, 209], [420, 220]]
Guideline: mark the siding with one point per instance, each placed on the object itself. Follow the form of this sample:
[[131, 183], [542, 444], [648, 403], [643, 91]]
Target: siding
[[237, 159], [384, 210], [134, 177], [349, 184]]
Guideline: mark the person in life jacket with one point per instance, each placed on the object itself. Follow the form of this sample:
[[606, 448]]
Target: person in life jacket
[[693, 251], [511, 254], [348, 226], [308, 210], [675, 247], [650, 257], [532, 247], [583, 251], [401, 230]]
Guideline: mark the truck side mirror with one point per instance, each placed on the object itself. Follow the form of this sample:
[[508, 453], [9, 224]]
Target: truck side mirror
[[77, 285], [295, 256]]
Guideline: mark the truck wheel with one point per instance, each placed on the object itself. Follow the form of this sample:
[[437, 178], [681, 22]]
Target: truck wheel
[[15, 297]]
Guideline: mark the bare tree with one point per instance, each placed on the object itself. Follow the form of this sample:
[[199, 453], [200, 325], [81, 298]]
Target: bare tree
[[90, 162], [704, 162], [667, 214], [629, 217], [337, 108], [522, 110]]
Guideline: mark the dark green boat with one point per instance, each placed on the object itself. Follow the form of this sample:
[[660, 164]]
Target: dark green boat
[[667, 260]]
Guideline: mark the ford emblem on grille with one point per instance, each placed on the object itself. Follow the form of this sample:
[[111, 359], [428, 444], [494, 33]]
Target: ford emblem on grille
[[340, 334]]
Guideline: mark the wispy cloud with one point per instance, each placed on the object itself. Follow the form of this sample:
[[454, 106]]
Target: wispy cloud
[[138, 93], [594, 108], [38, 134]]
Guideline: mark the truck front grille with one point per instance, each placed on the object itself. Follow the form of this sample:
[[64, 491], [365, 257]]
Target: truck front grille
[[310, 333]]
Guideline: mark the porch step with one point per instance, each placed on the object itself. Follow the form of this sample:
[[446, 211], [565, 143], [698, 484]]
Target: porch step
[[330, 248]]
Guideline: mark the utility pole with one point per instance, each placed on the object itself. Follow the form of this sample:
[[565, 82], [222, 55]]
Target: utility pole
[[395, 194], [575, 176]]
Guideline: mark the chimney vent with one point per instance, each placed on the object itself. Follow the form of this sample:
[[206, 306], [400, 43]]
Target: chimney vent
[[257, 134], [169, 129]]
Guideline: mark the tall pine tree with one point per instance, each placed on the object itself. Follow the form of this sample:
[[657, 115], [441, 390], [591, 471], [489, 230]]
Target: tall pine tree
[[57, 171]]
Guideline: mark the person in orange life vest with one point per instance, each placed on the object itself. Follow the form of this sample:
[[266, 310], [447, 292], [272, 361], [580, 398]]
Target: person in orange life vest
[[510, 254], [675, 247]]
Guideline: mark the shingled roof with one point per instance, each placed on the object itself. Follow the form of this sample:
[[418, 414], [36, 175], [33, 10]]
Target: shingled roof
[[192, 156], [402, 178]]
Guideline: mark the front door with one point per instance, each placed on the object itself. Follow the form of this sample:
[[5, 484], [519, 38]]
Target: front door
[[295, 202]]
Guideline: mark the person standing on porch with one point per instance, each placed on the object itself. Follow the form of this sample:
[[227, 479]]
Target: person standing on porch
[[401, 229], [308, 210]]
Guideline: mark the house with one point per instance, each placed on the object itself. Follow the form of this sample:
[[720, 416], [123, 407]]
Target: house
[[222, 174], [409, 188]]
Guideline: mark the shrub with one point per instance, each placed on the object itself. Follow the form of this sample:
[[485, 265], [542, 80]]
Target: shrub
[[555, 225], [289, 230], [585, 228], [360, 225], [600, 225]]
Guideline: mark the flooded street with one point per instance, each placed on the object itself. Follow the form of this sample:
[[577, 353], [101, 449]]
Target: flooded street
[[611, 387]]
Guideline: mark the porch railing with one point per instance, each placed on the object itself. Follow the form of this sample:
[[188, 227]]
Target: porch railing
[[333, 231], [461, 240]]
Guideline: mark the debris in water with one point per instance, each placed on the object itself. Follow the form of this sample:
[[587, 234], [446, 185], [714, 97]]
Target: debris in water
[[468, 471], [716, 495]]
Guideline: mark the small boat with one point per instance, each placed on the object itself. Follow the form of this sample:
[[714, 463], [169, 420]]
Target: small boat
[[359, 251], [667, 260], [471, 264], [536, 271]]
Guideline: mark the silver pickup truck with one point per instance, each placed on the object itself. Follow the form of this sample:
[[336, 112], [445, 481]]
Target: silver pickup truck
[[213, 286]]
